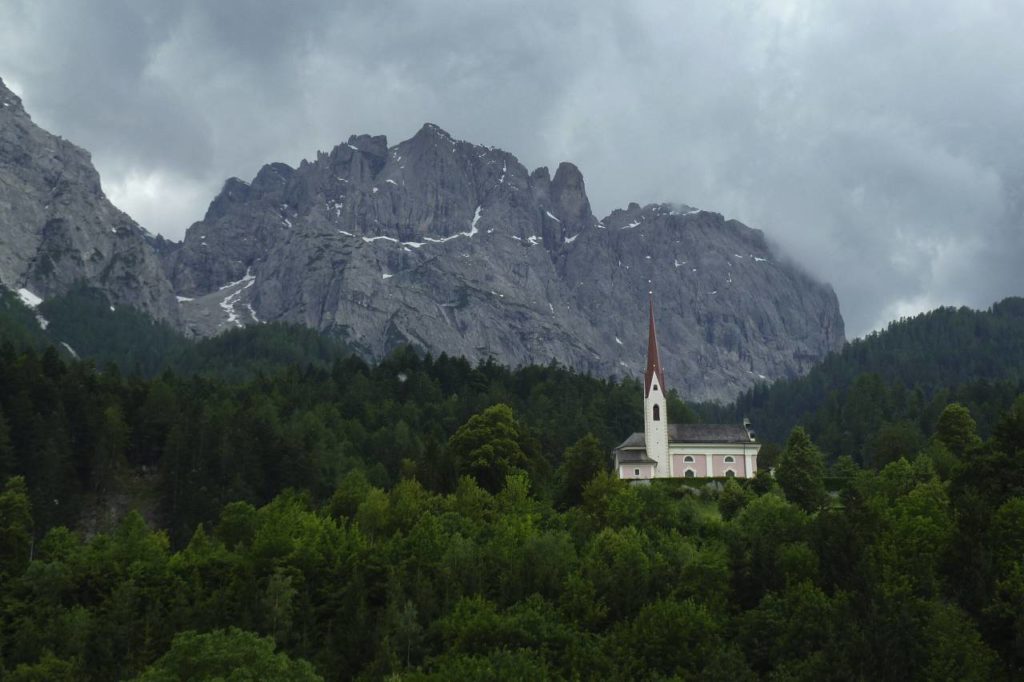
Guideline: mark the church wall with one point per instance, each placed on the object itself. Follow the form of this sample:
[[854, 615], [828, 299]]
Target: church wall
[[679, 465], [738, 465], [718, 451], [636, 471]]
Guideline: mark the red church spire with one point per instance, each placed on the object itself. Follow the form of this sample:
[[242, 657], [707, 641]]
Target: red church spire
[[653, 358]]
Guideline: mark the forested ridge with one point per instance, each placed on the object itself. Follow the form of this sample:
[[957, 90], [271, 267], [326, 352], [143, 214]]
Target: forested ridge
[[893, 384], [307, 515], [83, 324]]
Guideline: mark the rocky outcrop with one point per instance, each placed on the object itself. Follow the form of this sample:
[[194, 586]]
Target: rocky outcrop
[[458, 248], [57, 228], [729, 311]]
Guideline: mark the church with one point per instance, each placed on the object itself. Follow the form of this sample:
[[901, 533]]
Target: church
[[666, 450]]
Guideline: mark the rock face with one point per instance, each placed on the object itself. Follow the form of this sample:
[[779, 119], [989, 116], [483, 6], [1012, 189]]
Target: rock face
[[457, 248], [449, 246], [57, 228]]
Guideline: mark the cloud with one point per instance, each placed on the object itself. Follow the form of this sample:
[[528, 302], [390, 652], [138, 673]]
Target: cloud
[[165, 197], [874, 142]]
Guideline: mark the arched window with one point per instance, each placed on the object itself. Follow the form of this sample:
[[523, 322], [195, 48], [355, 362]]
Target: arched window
[[690, 474], [688, 458], [657, 413], [729, 460], [730, 474]]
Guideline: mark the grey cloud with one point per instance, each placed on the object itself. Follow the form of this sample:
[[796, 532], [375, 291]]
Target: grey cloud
[[874, 142]]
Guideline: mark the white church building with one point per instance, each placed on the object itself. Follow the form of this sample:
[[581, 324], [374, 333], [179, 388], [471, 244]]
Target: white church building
[[666, 450]]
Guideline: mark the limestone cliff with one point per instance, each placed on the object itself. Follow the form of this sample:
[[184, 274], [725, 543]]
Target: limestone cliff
[[458, 248], [57, 228]]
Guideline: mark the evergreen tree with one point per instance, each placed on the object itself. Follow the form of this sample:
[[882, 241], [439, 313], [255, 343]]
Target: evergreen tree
[[580, 463], [801, 471], [110, 451], [957, 430], [7, 460], [733, 498], [15, 528]]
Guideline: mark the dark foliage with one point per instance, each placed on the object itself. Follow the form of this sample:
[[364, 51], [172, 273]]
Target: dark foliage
[[73, 432], [427, 519], [631, 583], [896, 383]]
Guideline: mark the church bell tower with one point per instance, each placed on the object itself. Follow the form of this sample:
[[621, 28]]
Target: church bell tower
[[655, 405]]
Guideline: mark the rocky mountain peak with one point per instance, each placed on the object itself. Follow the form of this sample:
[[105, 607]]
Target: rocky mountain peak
[[455, 247], [272, 177], [373, 146], [234, 191], [569, 178], [541, 177], [569, 200], [10, 103], [432, 130], [58, 228], [369, 144]]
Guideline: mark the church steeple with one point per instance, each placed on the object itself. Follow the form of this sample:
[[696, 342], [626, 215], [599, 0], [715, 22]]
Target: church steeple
[[655, 405], [653, 358]]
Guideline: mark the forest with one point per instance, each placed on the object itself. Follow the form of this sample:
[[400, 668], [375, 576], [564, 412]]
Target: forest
[[900, 377], [268, 506]]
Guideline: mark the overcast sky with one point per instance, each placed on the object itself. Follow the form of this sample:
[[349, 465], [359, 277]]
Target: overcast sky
[[878, 143]]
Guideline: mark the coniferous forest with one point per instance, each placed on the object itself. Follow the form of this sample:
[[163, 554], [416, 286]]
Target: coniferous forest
[[266, 506]]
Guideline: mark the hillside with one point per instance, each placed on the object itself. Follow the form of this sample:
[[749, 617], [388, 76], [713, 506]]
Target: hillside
[[82, 324], [429, 520], [902, 376]]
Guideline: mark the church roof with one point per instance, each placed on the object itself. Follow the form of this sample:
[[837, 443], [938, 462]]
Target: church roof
[[707, 433], [634, 457], [635, 440], [653, 357], [694, 433]]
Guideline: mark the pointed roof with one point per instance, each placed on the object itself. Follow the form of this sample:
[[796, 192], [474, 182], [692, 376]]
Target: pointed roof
[[653, 357]]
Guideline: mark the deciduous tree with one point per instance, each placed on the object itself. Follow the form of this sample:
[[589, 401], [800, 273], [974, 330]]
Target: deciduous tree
[[487, 447]]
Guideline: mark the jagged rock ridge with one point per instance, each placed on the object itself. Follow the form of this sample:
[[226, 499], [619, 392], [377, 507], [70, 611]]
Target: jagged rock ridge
[[458, 248], [57, 228]]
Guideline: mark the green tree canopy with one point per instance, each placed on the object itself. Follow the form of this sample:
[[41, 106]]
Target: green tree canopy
[[580, 463], [231, 655], [487, 447], [957, 429]]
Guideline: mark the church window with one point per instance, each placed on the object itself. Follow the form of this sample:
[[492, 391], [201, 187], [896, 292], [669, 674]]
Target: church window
[[690, 474], [688, 458], [730, 474], [636, 472], [657, 413], [654, 387], [729, 460]]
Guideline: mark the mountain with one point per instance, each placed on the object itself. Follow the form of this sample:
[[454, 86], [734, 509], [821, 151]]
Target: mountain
[[458, 248], [59, 231], [434, 242]]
